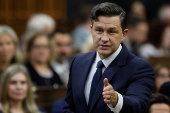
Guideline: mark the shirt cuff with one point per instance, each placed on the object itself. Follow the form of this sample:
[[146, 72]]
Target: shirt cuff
[[119, 105]]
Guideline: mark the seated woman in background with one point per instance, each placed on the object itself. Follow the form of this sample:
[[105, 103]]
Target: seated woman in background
[[15, 91], [37, 58], [8, 47], [162, 75], [158, 42]]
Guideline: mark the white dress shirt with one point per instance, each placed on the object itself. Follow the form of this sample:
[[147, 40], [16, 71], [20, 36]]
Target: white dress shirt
[[106, 63], [62, 70]]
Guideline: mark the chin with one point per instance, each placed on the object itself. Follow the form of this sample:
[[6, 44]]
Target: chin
[[103, 52], [19, 98]]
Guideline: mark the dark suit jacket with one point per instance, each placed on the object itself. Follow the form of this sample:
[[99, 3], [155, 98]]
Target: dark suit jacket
[[57, 106], [129, 75]]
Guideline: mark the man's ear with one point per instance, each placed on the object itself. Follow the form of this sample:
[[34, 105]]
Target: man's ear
[[91, 27], [124, 34]]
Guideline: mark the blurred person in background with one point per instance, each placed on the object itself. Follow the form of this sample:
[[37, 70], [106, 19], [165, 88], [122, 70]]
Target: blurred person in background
[[9, 53], [15, 91], [82, 31], [164, 13], [63, 51], [158, 103], [138, 10], [158, 44], [165, 89], [162, 75], [38, 58], [88, 45], [137, 35], [38, 23]]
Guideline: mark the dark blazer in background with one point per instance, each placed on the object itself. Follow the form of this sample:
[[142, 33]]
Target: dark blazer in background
[[129, 75], [42, 81]]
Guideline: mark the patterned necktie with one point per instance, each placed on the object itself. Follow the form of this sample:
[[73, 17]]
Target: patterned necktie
[[95, 81]]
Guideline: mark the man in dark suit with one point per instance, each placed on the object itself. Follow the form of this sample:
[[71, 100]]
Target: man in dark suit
[[110, 79]]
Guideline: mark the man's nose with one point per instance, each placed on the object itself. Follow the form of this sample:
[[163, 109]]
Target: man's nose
[[105, 38]]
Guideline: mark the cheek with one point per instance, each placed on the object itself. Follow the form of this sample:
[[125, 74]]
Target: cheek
[[26, 88], [10, 90], [58, 49], [33, 53], [159, 82], [48, 52], [96, 40], [12, 47]]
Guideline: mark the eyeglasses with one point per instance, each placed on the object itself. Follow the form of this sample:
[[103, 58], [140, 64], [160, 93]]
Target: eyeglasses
[[40, 46], [163, 76]]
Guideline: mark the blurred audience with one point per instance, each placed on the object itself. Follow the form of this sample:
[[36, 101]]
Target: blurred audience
[[38, 58], [15, 91], [137, 35], [165, 89], [9, 53], [158, 44], [63, 51], [164, 13], [162, 75], [48, 54], [138, 10], [38, 23], [82, 31], [88, 45], [158, 103]]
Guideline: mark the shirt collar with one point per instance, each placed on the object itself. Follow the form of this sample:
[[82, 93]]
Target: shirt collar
[[109, 59]]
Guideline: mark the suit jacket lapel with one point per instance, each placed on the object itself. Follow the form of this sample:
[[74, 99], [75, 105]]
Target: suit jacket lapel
[[109, 73], [85, 69]]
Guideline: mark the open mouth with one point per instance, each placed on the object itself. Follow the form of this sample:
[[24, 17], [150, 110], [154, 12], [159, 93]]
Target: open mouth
[[104, 46]]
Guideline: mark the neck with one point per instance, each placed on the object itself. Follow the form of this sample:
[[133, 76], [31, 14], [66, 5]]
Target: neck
[[4, 65], [103, 56], [16, 106]]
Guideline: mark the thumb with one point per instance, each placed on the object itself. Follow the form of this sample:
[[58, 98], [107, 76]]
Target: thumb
[[106, 83]]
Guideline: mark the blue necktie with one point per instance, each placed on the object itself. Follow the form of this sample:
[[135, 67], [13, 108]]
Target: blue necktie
[[95, 81]]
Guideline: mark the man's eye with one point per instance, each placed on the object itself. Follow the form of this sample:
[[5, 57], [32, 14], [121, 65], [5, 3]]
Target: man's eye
[[111, 31], [99, 31]]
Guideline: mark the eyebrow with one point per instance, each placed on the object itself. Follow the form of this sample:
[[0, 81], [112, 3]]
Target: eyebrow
[[111, 28], [98, 27]]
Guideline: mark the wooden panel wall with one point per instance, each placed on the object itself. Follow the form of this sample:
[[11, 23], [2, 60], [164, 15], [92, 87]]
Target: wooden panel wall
[[15, 13]]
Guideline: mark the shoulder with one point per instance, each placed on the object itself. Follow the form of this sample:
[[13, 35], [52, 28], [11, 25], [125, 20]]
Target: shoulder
[[137, 62], [84, 56]]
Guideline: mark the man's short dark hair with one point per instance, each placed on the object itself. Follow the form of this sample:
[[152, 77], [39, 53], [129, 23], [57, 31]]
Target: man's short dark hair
[[157, 98], [60, 30], [109, 9]]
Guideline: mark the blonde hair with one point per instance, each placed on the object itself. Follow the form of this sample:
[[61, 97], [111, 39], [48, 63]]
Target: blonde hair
[[4, 29], [29, 43], [28, 103]]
